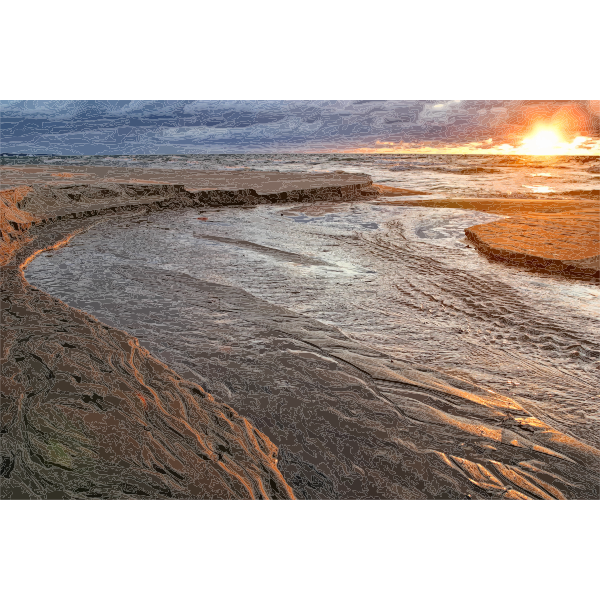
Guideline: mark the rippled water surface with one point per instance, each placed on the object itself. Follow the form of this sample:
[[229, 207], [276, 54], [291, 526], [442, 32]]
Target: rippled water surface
[[399, 279]]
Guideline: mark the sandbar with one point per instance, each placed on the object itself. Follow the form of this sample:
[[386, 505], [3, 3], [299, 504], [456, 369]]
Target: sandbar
[[192, 179], [552, 235]]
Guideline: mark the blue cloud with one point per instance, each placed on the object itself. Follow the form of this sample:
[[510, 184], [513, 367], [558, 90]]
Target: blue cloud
[[121, 127]]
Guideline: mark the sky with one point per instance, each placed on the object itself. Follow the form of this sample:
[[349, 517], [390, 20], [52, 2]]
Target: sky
[[260, 126]]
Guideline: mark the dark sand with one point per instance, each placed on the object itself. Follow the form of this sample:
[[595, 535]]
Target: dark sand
[[87, 413]]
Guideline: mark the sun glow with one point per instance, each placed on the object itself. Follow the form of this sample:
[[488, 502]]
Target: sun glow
[[543, 142]]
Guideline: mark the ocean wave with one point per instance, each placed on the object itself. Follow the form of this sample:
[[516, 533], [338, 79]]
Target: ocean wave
[[514, 196], [473, 171], [410, 166], [505, 161], [452, 171], [530, 162], [586, 159], [234, 169]]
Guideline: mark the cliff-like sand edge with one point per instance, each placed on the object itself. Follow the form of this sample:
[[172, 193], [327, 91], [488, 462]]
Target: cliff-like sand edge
[[566, 244]]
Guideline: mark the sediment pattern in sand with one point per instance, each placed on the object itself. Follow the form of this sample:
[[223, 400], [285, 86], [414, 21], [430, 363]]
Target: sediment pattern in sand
[[353, 416], [88, 413], [91, 414]]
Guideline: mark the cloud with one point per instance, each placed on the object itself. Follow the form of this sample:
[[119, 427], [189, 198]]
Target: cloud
[[121, 127]]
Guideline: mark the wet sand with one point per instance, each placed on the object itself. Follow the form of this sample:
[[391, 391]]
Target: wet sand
[[351, 421], [559, 236], [87, 413]]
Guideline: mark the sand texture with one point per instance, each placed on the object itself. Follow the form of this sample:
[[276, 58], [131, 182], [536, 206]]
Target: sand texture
[[263, 182], [352, 423], [88, 413], [553, 236]]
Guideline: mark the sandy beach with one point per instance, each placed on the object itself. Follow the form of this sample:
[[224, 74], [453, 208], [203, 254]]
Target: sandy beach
[[559, 236], [300, 408], [89, 413]]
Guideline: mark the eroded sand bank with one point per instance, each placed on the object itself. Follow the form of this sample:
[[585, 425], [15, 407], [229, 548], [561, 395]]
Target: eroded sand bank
[[559, 236], [355, 422], [263, 182]]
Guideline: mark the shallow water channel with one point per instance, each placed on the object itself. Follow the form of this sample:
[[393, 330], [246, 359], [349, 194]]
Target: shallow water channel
[[401, 280]]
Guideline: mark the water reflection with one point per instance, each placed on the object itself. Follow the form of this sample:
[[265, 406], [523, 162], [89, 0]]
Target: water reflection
[[401, 280]]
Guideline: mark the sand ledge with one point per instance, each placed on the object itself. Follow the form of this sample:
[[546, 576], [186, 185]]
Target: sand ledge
[[557, 236]]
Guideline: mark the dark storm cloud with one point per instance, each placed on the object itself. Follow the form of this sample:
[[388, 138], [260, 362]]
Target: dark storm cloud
[[120, 127]]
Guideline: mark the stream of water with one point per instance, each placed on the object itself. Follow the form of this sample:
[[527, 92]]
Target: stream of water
[[398, 279]]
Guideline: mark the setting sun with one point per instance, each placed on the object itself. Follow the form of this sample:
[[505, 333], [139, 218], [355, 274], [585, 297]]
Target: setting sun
[[542, 142]]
